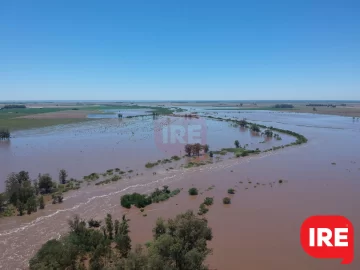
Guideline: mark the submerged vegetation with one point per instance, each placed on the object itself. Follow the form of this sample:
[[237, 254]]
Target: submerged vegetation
[[143, 200], [193, 191], [226, 200], [186, 236], [4, 134]]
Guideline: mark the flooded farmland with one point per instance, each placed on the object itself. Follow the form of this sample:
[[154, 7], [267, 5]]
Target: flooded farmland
[[320, 177]]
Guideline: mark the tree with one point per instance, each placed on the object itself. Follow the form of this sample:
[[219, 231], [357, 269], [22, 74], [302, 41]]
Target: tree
[[62, 176], [55, 254], [45, 183], [242, 123], [188, 149], [109, 226], [206, 148], [196, 148], [4, 134], [255, 128], [41, 202], [159, 229], [184, 245], [77, 225], [237, 144], [117, 226], [19, 190], [2, 201], [122, 239], [268, 133], [31, 205], [21, 207]]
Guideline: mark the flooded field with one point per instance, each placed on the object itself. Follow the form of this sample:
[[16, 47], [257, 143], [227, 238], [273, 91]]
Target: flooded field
[[320, 177]]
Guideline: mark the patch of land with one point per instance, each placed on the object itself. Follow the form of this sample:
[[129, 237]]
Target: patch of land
[[350, 110], [37, 115]]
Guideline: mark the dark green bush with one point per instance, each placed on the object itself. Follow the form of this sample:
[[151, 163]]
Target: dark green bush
[[226, 200], [208, 201], [193, 191]]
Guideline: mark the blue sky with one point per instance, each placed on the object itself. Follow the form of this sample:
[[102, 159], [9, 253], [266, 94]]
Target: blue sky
[[184, 50]]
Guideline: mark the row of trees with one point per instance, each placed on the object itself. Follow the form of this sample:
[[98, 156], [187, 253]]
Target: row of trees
[[4, 134], [14, 106], [284, 106], [320, 105], [195, 149], [27, 195], [178, 244]]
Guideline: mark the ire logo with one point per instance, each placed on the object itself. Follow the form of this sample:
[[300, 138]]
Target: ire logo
[[328, 237], [172, 134]]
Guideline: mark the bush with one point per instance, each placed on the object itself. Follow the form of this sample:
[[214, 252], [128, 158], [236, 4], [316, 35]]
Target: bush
[[231, 191], [226, 200], [244, 154], [139, 200], [193, 191], [208, 201], [202, 210], [94, 223], [281, 181]]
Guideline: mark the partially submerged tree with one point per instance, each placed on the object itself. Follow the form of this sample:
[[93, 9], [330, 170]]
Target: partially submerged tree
[[62, 176]]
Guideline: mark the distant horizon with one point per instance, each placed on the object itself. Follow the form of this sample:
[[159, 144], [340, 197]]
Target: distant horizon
[[176, 100]]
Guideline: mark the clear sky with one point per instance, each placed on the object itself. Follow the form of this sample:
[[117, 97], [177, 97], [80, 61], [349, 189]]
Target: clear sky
[[179, 49]]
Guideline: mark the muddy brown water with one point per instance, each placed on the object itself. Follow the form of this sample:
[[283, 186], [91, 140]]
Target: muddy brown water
[[259, 230]]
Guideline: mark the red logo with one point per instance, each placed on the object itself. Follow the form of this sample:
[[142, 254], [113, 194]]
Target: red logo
[[173, 133], [328, 237]]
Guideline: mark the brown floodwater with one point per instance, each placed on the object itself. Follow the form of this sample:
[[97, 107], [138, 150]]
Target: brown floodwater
[[259, 230]]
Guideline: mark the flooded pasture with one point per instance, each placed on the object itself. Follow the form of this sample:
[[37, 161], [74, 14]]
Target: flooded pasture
[[258, 230]]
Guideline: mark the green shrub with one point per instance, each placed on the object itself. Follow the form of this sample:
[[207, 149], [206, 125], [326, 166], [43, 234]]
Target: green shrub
[[231, 191], [202, 209], [208, 201], [193, 191], [226, 200], [244, 154], [94, 223]]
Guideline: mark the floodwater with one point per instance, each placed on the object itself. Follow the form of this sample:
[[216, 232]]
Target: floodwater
[[99, 145], [112, 113], [259, 230]]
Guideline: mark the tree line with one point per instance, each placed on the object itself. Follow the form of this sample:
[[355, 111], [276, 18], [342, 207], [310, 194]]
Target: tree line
[[14, 106], [26, 195], [320, 105], [177, 244], [284, 106]]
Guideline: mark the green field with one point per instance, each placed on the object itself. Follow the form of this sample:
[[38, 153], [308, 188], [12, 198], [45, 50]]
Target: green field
[[9, 118]]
